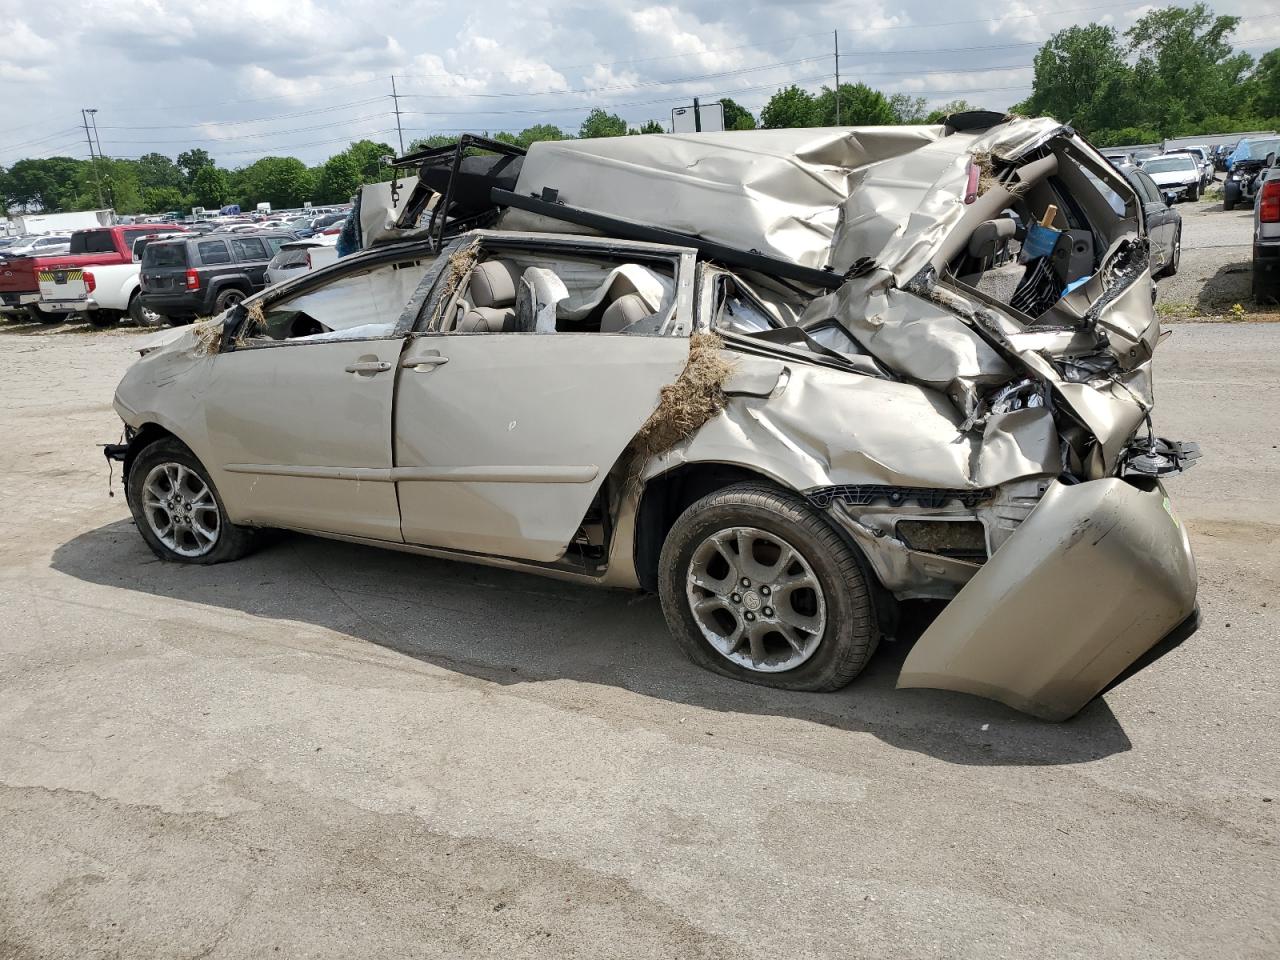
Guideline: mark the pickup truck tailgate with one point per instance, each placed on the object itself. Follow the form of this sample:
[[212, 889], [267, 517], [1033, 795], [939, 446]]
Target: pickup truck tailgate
[[61, 283]]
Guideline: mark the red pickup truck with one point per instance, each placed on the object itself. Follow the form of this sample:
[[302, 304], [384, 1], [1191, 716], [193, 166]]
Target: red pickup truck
[[20, 277]]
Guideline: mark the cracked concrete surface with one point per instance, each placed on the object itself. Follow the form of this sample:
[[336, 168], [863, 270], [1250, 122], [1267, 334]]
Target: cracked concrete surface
[[332, 751]]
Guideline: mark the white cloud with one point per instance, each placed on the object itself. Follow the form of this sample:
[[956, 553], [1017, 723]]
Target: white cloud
[[167, 74]]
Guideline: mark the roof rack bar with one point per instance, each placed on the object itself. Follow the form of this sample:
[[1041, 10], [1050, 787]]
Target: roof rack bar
[[630, 230]]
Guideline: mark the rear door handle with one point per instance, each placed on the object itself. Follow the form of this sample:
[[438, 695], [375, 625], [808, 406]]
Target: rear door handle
[[369, 366], [429, 361]]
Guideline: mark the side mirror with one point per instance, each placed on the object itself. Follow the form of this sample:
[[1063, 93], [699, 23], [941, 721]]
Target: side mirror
[[1169, 197]]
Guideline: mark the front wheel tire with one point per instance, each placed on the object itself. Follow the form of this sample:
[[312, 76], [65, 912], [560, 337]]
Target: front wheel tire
[[757, 585], [141, 315], [178, 510]]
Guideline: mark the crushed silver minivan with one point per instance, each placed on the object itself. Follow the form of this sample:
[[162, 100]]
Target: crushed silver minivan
[[786, 379]]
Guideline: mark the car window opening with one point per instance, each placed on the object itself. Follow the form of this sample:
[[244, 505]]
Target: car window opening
[[364, 305], [519, 291]]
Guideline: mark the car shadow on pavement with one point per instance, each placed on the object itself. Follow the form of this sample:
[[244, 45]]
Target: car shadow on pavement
[[515, 628], [1230, 284]]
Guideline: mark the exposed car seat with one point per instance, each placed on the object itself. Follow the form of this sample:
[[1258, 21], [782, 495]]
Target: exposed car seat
[[492, 292], [625, 310]]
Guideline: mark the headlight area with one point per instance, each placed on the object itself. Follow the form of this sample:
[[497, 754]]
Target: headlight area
[[927, 543]]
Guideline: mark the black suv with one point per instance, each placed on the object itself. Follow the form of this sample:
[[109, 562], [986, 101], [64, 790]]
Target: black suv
[[201, 276]]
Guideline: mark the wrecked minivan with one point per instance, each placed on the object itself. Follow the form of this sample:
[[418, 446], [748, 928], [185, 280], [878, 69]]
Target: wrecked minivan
[[786, 379]]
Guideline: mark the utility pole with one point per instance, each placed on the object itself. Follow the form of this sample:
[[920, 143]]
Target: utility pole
[[395, 98], [836, 35], [93, 159], [93, 119]]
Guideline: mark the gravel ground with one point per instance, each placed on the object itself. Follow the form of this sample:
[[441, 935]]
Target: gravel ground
[[1216, 263], [327, 750]]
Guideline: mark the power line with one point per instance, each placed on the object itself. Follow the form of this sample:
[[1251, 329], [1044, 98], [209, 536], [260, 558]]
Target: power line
[[618, 87], [266, 133], [227, 123], [51, 136], [225, 103]]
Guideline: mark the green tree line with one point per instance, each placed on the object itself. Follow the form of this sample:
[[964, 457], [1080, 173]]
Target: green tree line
[[1174, 73]]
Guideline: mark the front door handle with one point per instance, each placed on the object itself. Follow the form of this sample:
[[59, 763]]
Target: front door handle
[[369, 366], [434, 360]]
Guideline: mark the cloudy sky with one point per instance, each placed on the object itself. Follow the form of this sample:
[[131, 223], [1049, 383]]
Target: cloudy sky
[[246, 78]]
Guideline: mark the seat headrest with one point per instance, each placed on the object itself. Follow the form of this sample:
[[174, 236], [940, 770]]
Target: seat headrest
[[493, 284], [623, 312]]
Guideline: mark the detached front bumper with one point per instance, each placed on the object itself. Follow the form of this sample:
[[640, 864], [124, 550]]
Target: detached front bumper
[[1087, 587]]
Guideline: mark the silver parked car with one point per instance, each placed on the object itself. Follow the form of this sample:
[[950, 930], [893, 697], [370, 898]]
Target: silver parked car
[[765, 374]]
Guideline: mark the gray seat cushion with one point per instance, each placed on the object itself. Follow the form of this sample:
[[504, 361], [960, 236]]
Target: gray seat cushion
[[488, 320], [623, 312], [493, 284]]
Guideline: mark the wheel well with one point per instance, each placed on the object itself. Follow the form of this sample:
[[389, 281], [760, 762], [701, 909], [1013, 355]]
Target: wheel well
[[667, 496], [240, 283], [147, 434]]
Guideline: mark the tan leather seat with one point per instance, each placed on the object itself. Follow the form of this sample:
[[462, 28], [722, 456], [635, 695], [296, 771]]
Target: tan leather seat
[[488, 320], [623, 312], [492, 292]]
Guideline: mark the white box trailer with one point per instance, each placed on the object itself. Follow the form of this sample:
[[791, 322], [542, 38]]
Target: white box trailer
[[59, 222]]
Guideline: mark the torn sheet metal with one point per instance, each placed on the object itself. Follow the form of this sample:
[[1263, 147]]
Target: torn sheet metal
[[776, 191], [821, 427], [1021, 631], [817, 197]]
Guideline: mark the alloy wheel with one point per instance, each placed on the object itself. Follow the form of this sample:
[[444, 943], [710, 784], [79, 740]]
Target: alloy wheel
[[180, 509], [756, 599]]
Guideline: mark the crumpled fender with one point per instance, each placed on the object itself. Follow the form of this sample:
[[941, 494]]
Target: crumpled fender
[[1094, 578]]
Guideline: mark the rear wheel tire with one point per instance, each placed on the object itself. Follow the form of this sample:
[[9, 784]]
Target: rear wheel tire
[[757, 585], [141, 315], [39, 316], [178, 510], [102, 318], [1175, 258], [227, 299], [1230, 195]]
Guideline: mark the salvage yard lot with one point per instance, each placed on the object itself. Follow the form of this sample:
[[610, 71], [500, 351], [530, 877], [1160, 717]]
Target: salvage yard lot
[[341, 752]]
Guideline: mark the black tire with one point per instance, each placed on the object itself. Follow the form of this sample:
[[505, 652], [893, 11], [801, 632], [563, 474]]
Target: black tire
[[1265, 293], [1171, 268], [232, 542], [851, 632], [141, 315], [1193, 193], [227, 298], [1230, 195], [102, 318], [39, 316]]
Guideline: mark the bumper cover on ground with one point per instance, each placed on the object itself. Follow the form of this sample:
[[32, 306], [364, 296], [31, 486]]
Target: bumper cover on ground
[[1095, 578]]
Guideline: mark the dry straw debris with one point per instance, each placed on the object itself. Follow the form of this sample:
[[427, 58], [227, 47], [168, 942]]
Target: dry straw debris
[[208, 334], [696, 396], [460, 264]]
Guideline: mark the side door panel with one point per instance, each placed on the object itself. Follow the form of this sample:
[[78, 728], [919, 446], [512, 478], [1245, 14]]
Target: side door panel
[[300, 440], [501, 448]]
